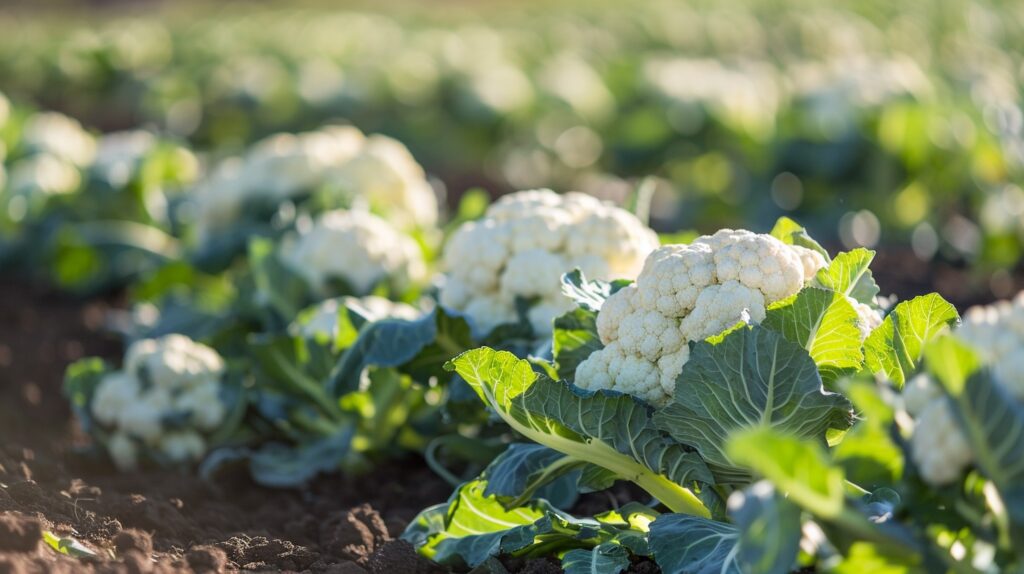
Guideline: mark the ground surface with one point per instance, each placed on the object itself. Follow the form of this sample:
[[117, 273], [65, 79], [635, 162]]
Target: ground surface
[[161, 521]]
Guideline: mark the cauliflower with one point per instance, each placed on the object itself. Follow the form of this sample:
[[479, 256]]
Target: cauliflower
[[119, 154], [43, 174], [996, 332], [356, 247], [323, 318], [868, 318], [688, 293], [938, 445], [58, 135], [168, 379], [374, 172], [524, 244]]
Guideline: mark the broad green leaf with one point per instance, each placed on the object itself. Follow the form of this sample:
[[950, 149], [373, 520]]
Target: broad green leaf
[[754, 377], [473, 527], [285, 466], [792, 233], [589, 295], [867, 452], [574, 339], [850, 274], [683, 544], [610, 430], [607, 558], [796, 467], [68, 546], [769, 528], [523, 468], [895, 347], [867, 557], [825, 324], [420, 346]]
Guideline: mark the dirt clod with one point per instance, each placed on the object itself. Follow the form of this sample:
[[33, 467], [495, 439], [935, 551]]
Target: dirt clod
[[355, 534], [19, 533], [206, 559], [400, 556], [133, 539]]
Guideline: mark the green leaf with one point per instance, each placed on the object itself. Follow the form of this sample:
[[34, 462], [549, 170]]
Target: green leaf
[[794, 466], [610, 430], [684, 544], [68, 546], [605, 558], [867, 452], [473, 527], [895, 347], [825, 324], [575, 338], [754, 377], [522, 469], [769, 528], [80, 381], [284, 466], [792, 233], [589, 295], [421, 347], [850, 274]]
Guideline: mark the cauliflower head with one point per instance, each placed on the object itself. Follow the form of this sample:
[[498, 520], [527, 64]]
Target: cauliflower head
[[523, 245], [58, 135], [688, 293], [322, 318], [996, 333], [356, 247], [165, 399], [374, 172]]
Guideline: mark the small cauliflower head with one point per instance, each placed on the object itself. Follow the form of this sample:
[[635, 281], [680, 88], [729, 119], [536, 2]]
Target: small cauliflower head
[[165, 399], [938, 445], [356, 247], [522, 246], [996, 333], [58, 135], [688, 293]]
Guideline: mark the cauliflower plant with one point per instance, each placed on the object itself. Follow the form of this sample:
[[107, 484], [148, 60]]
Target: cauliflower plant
[[688, 293], [376, 172], [166, 399], [354, 246], [938, 445], [523, 245], [58, 135]]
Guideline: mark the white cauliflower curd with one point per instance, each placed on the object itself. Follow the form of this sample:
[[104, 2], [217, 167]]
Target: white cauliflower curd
[[376, 172], [523, 245], [356, 247], [165, 398], [58, 135], [938, 444], [688, 293]]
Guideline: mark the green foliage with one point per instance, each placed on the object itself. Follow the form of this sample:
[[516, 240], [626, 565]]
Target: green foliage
[[895, 348]]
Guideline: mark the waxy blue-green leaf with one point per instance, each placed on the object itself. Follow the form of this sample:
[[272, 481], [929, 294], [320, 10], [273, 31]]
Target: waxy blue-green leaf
[[894, 349], [769, 528], [420, 347], [825, 324], [574, 339], [683, 544], [607, 558], [587, 294], [753, 377], [610, 430], [850, 274], [517, 475]]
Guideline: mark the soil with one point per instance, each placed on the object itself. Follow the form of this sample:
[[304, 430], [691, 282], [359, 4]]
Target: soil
[[161, 521]]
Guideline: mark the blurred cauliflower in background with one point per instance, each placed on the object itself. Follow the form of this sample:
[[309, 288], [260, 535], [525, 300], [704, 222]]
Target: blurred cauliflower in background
[[356, 247], [165, 401], [523, 245], [58, 135], [322, 318]]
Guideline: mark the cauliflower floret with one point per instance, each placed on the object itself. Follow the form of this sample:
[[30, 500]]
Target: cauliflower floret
[[918, 393], [674, 276], [670, 367], [996, 333], [614, 310], [357, 247], [142, 420], [650, 334], [173, 361], [114, 393], [721, 306], [868, 318], [523, 245], [938, 445], [203, 402], [123, 451], [811, 260], [761, 262], [612, 369]]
